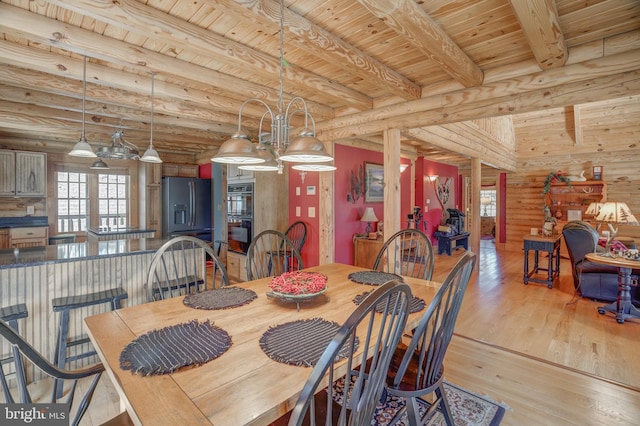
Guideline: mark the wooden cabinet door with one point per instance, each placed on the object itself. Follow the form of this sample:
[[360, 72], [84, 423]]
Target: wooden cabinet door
[[7, 173], [365, 252], [31, 174], [154, 208], [5, 239]]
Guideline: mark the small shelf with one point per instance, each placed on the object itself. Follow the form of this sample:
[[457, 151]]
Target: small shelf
[[570, 202]]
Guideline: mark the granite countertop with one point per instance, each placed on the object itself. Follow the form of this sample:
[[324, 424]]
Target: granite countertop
[[107, 231], [24, 221], [34, 256]]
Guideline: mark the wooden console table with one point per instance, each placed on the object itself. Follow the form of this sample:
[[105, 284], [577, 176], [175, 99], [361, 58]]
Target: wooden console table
[[365, 251], [539, 243], [622, 307]]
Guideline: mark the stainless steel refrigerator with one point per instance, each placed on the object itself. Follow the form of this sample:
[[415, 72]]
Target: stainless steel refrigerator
[[186, 207]]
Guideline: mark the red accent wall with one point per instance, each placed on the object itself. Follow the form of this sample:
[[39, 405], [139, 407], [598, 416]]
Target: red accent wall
[[205, 170], [303, 201], [426, 195]]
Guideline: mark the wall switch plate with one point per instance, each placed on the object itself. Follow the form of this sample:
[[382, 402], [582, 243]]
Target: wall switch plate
[[31, 209]]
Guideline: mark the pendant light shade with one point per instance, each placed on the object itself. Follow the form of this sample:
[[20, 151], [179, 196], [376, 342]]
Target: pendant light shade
[[306, 148], [99, 165], [151, 155], [238, 150], [82, 147], [270, 164], [314, 167]]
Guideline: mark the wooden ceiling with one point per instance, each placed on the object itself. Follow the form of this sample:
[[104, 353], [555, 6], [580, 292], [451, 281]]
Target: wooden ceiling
[[363, 66]]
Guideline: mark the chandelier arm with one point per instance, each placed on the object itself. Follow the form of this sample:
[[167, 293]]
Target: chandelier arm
[[246, 102], [306, 114], [305, 109]]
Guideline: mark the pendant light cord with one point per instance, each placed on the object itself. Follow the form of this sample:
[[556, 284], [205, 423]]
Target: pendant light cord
[[84, 90], [152, 102]]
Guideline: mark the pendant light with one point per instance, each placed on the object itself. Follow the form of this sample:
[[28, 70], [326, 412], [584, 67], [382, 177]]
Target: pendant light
[[99, 165], [304, 147], [151, 155], [82, 147]]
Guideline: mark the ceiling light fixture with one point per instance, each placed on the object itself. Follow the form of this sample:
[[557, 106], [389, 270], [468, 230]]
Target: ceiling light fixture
[[82, 147], [303, 148], [120, 149], [151, 155], [99, 165]]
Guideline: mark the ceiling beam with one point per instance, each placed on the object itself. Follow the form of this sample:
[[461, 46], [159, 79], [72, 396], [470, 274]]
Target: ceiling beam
[[139, 18], [541, 26], [409, 20], [320, 43]]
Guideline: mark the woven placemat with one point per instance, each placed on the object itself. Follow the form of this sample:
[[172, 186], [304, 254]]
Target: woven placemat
[[416, 305], [220, 298], [373, 277], [164, 351], [300, 342]]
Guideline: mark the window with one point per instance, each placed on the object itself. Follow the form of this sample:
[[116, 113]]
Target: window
[[112, 201], [73, 201], [488, 202], [77, 191]]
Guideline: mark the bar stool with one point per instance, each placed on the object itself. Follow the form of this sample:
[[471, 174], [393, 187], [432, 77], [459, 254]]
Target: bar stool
[[11, 315], [65, 305]]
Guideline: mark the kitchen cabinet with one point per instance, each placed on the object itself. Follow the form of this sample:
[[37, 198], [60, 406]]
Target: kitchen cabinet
[[5, 239], [23, 174], [150, 206], [29, 237], [365, 251], [180, 170], [234, 173]]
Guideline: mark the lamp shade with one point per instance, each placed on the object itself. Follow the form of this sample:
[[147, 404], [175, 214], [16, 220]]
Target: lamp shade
[[369, 215], [82, 149], [270, 164], [151, 156], [99, 165], [485, 201], [593, 209], [238, 150], [615, 212], [306, 148]]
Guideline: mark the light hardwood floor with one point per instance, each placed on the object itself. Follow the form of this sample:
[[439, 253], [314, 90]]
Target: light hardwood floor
[[547, 355]]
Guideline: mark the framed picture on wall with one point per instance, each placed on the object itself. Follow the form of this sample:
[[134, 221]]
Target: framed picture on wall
[[374, 183]]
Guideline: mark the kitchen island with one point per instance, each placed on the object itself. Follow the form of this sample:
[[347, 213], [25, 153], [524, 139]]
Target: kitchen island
[[106, 234], [36, 275]]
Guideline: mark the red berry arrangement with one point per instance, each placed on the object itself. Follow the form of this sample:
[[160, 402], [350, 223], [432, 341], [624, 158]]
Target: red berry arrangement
[[297, 283]]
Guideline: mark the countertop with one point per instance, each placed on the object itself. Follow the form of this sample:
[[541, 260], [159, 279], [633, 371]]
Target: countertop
[[101, 232], [34, 256], [23, 222]]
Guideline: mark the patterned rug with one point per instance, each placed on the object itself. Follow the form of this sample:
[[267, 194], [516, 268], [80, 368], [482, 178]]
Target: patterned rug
[[468, 408]]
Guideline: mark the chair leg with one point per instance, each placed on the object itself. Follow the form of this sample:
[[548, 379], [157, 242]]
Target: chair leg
[[60, 355], [444, 405], [413, 411]]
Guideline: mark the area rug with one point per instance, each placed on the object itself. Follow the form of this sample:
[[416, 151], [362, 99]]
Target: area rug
[[468, 408]]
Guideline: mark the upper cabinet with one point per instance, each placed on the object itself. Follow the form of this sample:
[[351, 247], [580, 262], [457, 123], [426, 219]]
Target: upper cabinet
[[23, 174], [234, 173], [181, 170]]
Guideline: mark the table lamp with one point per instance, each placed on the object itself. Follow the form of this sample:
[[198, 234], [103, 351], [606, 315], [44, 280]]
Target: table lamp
[[615, 212], [485, 201], [369, 216]]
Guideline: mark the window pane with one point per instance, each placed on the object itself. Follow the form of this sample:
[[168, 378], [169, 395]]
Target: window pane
[[71, 201]]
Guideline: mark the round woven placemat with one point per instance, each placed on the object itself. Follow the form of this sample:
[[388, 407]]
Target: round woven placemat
[[300, 342], [220, 298], [164, 351], [415, 305], [373, 277]]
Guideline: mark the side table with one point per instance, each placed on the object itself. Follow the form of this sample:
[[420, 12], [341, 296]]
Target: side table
[[622, 307], [539, 243]]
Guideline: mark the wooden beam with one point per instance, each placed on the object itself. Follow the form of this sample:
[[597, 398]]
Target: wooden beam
[[598, 79], [541, 26], [409, 20], [577, 125], [320, 43], [392, 219], [141, 19]]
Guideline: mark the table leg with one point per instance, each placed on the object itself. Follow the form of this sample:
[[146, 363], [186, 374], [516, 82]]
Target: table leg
[[535, 261], [622, 307], [526, 266]]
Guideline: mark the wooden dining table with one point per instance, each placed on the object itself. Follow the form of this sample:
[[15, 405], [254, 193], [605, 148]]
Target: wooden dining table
[[243, 386]]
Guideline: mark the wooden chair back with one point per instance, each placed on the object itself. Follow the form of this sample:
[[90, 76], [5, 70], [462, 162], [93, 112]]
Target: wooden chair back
[[271, 253], [408, 252]]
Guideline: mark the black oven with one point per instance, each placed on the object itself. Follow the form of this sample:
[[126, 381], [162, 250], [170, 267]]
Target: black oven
[[240, 216]]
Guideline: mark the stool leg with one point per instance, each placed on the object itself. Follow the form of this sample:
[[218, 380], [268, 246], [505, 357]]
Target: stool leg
[[60, 356], [3, 380]]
